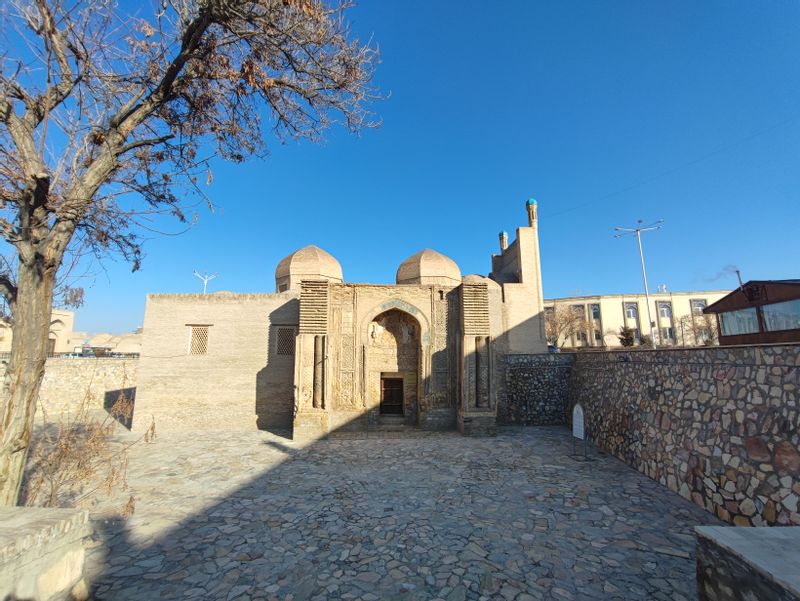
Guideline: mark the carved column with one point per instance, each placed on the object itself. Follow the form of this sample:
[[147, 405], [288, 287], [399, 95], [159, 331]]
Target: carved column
[[476, 412], [311, 419]]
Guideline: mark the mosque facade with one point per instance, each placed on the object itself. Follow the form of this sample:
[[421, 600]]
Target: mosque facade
[[321, 354]]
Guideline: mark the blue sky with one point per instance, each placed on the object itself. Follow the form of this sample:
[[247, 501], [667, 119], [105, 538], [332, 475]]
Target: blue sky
[[606, 112]]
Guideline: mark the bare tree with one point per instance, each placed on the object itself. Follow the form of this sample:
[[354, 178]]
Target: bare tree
[[562, 322], [104, 124], [699, 329]]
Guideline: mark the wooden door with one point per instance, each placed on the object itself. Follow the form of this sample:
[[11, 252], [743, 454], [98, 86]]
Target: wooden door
[[392, 396]]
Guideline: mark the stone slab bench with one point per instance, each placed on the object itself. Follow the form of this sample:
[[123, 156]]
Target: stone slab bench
[[42, 553], [748, 563]]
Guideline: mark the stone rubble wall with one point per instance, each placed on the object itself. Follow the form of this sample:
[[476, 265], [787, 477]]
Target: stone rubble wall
[[68, 381], [535, 389], [720, 425]]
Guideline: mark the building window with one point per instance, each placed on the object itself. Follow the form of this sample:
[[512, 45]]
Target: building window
[[697, 305], [595, 309], [598, 336], [285, 341], [579, 310], [782, 316], [665, 310], [667, 334], [198, 340], [631, 311], [744, 321]]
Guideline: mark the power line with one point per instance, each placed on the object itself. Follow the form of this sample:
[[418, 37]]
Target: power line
[[672, 170]]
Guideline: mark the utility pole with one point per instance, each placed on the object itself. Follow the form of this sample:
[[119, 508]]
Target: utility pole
[[637, 231], [205, 278]]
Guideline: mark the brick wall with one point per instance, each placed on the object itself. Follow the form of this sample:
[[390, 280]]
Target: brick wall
[[241, 382], [67, 382]]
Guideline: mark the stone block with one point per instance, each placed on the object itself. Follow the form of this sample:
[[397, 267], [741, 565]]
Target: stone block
[[42, 553], [742, 564]]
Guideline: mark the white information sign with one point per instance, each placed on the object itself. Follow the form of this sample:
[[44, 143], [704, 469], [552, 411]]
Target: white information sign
[[577, 422]]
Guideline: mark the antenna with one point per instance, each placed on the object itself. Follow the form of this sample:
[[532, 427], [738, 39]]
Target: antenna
[[205, 278], [637, 231]]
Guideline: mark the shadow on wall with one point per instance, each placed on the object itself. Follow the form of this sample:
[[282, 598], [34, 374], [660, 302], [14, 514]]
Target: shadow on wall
[[274, 399]]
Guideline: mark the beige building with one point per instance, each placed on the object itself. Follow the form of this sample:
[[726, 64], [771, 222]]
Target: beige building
[[322, 354], [61, 337], [129, 343], [677, 318]]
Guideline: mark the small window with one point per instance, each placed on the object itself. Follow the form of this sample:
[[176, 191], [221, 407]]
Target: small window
[[595, 311], [198, 340], [598, 336], [667, 333], [665, 310], [698, 304], [631, 311], [285, 341]]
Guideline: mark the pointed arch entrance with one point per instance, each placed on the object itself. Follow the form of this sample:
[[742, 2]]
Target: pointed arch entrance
[[393, 351]]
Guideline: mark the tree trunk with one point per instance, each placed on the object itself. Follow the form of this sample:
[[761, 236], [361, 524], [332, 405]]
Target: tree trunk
[[31, 313]]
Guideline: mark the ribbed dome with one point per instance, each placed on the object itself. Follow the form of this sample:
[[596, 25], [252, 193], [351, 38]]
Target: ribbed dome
[[474, 278], [429, 267], [308, 263]]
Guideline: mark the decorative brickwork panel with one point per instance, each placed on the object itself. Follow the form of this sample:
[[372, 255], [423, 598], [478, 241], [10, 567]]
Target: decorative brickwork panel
[[475, 308], [348, 353], [346, 398], [313, 307]]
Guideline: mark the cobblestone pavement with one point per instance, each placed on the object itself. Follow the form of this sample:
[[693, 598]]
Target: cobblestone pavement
[[427, 516]]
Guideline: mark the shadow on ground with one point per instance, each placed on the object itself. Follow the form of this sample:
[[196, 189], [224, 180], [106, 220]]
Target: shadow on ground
[[424, 516]]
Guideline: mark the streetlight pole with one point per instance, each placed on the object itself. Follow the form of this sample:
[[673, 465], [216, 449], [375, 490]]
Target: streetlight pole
[[205, 278], [624, 231]]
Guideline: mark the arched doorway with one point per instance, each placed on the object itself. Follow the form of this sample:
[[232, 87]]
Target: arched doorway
[[393, 348]]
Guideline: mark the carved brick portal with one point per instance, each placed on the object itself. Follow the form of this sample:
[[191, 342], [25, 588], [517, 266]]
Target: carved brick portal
[[393, 349]]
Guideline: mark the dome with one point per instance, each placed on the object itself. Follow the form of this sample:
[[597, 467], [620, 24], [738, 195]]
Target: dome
[[429, 267], [474, 278], [308, 263]]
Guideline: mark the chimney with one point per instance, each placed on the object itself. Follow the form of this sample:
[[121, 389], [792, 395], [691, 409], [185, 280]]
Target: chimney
[[531, 206], [503, 242]]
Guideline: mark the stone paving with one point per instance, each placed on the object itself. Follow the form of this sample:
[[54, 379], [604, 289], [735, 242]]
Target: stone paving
[[236, 516]]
